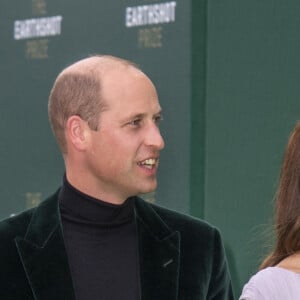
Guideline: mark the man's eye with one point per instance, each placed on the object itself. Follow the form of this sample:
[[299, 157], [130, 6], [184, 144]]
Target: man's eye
[[158, 119], [135, 122]]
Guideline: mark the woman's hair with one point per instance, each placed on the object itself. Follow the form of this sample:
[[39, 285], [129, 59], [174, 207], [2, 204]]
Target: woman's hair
[[287, 208]]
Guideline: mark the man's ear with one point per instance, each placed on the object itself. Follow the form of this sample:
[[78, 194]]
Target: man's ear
[[77, 132]]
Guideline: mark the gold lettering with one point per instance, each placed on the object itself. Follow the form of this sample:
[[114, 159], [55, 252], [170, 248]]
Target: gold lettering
[[149, 197], [33, 199], [150, 37], [37, 49], [39, 7]]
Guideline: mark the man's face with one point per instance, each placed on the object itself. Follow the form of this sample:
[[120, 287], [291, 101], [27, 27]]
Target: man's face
[[123, 154]]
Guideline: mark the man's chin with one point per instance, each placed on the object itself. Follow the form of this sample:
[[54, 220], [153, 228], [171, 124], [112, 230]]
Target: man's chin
[[148, 189]]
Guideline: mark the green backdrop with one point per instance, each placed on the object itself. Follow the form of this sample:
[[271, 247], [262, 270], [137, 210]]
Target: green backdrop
[[226, 73], [40, 38]]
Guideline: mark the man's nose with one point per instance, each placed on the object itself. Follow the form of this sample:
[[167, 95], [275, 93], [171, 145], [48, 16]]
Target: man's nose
[[154, 138]]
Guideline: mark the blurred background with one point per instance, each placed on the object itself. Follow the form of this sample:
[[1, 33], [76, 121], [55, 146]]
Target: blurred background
[[227, 76]]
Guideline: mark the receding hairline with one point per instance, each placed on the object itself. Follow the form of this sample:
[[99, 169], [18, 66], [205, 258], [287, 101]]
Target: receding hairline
[[98, 65]]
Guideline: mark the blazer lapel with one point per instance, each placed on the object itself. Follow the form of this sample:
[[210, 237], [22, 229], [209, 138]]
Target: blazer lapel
[[159, 254], [43, 254]]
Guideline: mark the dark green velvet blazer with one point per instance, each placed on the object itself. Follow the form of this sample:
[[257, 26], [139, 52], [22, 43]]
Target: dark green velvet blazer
[[180, 257]]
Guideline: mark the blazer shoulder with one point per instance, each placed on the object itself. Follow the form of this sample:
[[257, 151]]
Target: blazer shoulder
[[15, 225], [188, 226], [18, 224], [203, 264], [180, 219], [10, 229]]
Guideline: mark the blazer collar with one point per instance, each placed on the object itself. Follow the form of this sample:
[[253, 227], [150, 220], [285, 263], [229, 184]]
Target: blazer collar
[[159, 254], [43, 254]]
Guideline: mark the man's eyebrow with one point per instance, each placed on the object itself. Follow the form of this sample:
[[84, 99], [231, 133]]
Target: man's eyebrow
[[137, 115], [142, 115]]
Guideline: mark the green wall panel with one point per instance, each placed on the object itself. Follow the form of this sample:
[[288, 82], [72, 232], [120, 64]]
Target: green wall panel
[[39, 38], [252, 105]]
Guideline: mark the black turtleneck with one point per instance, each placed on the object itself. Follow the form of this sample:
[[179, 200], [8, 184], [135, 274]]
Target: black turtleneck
[[101, 244]]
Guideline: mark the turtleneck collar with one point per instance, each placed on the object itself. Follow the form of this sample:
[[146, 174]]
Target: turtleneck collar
[[81, 208]]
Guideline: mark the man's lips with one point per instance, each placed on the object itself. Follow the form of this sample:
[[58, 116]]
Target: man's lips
[[148, 163]]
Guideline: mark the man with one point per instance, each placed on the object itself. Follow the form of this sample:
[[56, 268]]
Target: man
[[94, 238]]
